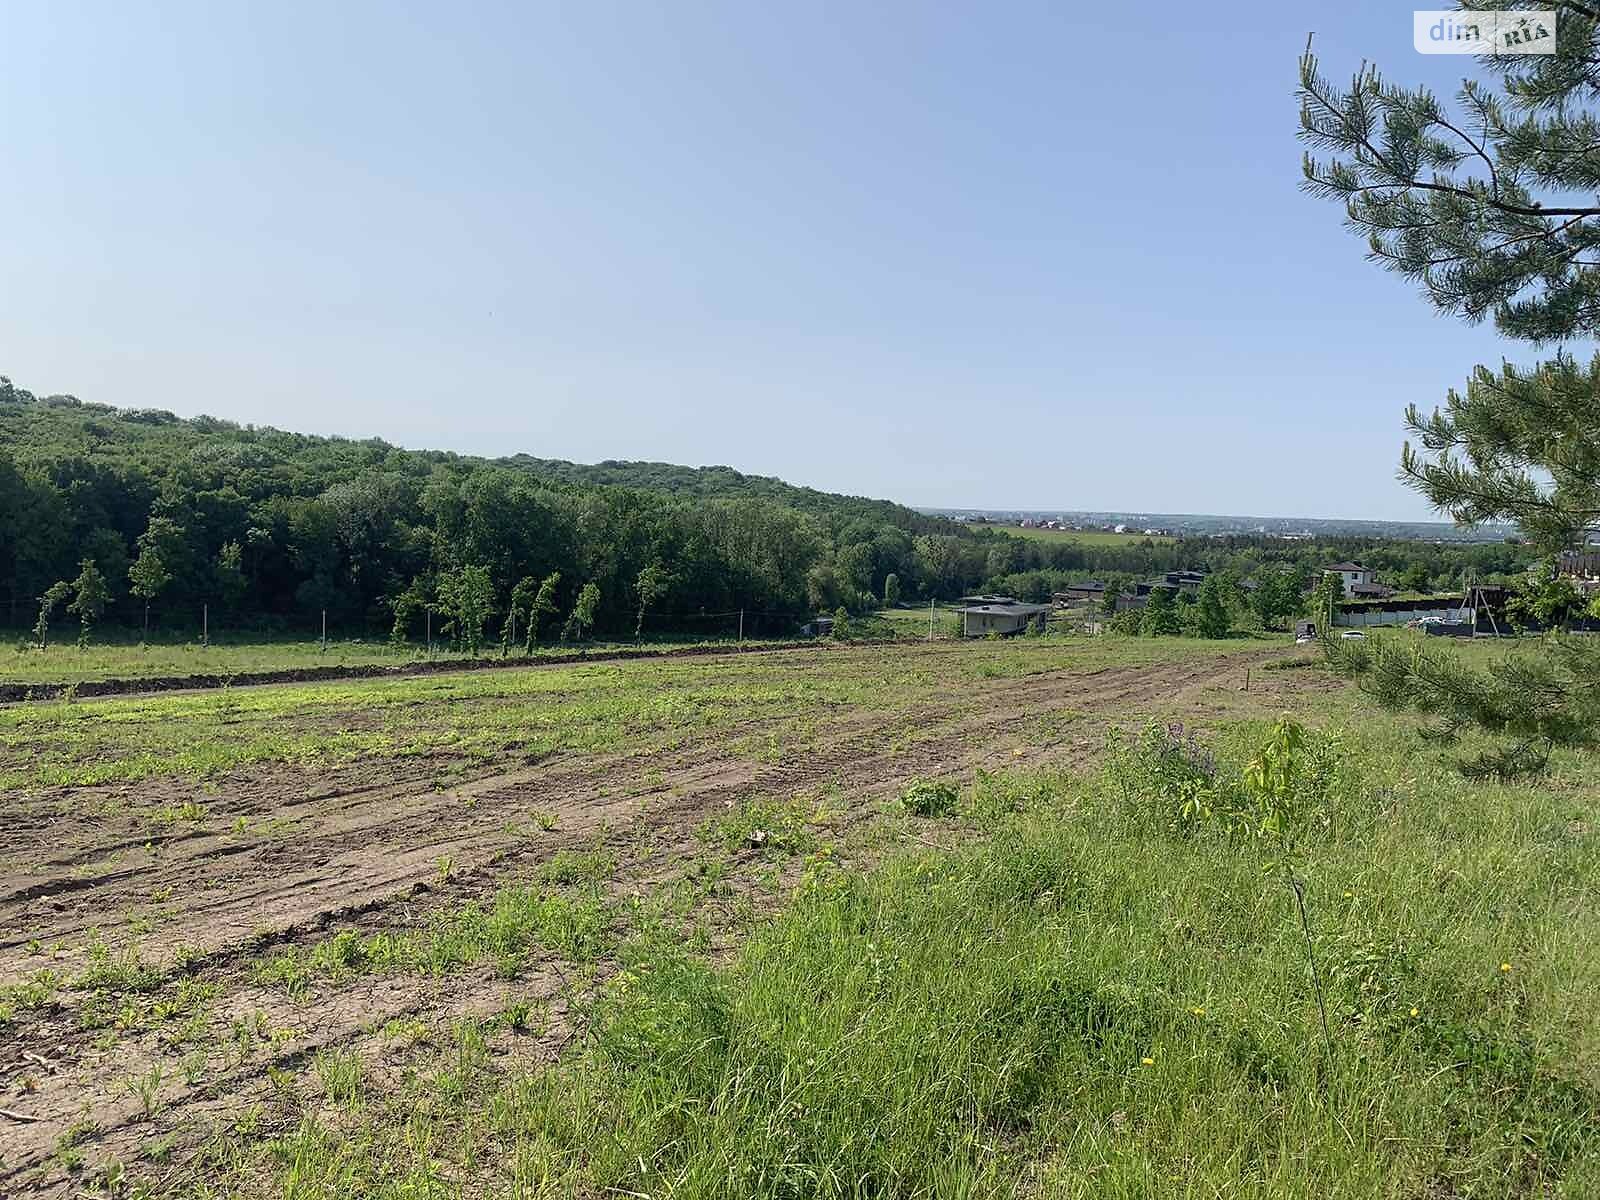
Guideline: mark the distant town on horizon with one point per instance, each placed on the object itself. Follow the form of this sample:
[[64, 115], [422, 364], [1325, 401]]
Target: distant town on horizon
[[1219, 525]]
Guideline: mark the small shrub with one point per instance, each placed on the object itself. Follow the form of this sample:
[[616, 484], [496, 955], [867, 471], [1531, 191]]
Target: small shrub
[[1164, 778], [929, 798]]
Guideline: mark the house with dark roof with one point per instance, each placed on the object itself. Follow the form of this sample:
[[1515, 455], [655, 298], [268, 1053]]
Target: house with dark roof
[[1089, 589], [1005, 615]]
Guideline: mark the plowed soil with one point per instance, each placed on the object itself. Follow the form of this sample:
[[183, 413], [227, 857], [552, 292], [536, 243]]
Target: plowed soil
[[289, 855]]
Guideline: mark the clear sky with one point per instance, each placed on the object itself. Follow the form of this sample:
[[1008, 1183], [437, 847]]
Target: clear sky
[[1016, 255]]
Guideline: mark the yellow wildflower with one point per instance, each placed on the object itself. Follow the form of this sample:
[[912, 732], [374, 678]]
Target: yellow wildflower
[[1147, 1061], [1414, 1011], [1505, 968]]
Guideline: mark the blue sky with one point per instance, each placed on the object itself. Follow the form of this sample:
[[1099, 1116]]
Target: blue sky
[[950, 254]]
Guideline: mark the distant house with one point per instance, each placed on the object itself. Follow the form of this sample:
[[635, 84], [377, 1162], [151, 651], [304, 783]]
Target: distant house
[[1351, 575], [1582, 568], [1005, 615], [1186, 581], [1091, 589]]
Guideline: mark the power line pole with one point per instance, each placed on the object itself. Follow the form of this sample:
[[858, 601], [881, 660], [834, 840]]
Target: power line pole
[[741, 626]]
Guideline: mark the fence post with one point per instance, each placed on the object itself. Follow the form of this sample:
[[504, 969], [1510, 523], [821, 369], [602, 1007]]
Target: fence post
[[324, 631], [205, 624]]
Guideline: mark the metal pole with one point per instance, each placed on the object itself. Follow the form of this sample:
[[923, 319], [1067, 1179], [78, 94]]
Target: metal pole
[[930, 618], [324, 631], [205, 625], [741, 626]]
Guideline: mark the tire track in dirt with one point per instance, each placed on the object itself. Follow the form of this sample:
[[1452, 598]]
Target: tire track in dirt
[[370, 845]]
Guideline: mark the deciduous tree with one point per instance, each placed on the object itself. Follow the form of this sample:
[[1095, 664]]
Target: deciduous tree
[[1160, 614], [466, 599], [581, 618], [52, 598], [89, 596], [146, 579], [1210, 611]]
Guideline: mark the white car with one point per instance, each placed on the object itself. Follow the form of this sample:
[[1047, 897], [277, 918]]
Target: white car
[[1353, 635]]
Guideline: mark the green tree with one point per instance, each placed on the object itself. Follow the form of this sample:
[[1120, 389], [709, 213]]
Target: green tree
[[1211, 611], [406, 606], [1276, 597], [146, 579], [1324, 600], [519, 605], [1472, 205], [653, 583], [1491, 207], [583, 610], [544, 605], [1160, 617], [891, 590], [1545, 599], [1416, 578], [53, 596], [466, 599], [228, 577], [90, 594]]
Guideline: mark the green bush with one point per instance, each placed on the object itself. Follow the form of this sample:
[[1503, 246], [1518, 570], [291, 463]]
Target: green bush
[[929, 798]]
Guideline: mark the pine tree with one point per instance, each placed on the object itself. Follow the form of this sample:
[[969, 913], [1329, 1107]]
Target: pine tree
[[1491, 206]]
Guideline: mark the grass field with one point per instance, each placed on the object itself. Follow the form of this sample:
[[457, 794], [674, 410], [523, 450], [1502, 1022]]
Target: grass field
[[1087, 537], [874, 920], [64, 662]]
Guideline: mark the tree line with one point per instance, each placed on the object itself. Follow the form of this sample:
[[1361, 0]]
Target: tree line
[[123, 516]]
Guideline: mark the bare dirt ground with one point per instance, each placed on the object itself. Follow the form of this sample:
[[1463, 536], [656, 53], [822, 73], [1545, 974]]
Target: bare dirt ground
[[362, 846]]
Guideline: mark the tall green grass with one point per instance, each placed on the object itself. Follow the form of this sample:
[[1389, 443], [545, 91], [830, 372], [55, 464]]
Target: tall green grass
[[1091, 1001]]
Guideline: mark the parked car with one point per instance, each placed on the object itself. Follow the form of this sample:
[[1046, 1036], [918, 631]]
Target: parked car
[[1353, 635]]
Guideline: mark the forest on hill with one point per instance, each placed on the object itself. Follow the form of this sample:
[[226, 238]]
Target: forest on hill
[[269, 529]]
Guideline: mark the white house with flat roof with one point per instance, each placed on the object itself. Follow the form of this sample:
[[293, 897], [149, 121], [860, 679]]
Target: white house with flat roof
[[983, 615]]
